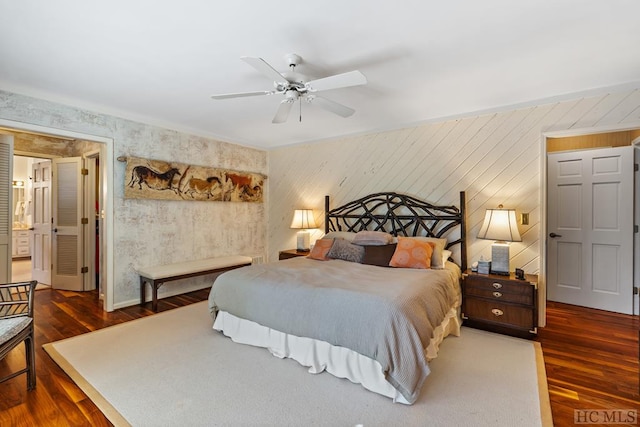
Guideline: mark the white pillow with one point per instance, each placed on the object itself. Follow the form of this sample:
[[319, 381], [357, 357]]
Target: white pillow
[[346, 235], [445, 256], [372, 238]]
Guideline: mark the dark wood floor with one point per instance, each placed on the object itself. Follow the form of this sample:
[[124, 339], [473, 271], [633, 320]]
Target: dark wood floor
[[591, 360]]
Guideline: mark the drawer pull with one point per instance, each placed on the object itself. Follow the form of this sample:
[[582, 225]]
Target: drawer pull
[[497, 312], [497, 285], [497, 294]]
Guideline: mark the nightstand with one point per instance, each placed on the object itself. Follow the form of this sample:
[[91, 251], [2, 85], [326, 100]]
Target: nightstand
[[500, 304], [291, 253]]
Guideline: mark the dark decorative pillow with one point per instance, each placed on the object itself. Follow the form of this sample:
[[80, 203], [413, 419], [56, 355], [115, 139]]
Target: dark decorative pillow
[[378, 255], [341, 249]]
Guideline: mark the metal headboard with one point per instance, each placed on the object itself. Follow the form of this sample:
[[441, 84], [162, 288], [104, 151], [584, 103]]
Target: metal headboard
[[402, 215]]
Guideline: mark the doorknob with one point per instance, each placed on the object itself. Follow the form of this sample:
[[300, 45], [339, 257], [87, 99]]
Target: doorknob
[[555, 235], [55, 230]]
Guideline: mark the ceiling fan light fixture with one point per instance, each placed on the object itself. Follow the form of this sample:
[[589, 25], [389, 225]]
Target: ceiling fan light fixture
[[291, 95]]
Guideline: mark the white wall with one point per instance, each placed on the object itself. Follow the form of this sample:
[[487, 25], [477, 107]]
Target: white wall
[[495, 158], [149, 232]]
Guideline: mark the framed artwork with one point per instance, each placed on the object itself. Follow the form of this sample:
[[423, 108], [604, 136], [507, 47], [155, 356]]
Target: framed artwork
[[156, 179]]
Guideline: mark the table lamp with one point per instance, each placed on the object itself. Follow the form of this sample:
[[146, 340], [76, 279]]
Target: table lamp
[[303, 220], [500, 225]]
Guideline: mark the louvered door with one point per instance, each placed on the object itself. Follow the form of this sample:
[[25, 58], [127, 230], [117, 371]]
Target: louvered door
[[67, 224], [6, 211]]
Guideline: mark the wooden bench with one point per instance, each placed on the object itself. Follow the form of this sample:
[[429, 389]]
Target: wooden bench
[[159, 274]]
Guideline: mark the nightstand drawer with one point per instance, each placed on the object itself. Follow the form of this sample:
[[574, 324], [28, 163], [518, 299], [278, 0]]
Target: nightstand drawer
[[498, 312], [519, 294], [494, 283]]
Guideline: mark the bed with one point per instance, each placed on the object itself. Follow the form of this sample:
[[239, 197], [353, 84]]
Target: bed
[[372, 324]]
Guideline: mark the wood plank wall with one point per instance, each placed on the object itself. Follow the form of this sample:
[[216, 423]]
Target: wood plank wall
[[494, 157]]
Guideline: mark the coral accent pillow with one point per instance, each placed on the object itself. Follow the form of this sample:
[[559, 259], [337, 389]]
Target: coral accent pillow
[[321, 249], [439, 245], [412, 253]]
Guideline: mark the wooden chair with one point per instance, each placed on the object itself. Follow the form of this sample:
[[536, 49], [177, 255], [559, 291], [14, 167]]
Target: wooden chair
[[16, 326]]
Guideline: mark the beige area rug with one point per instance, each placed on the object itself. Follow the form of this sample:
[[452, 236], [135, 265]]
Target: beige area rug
[[173, 369]]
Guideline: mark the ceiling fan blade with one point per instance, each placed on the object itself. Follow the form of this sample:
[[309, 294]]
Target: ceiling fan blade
[[242, 94], [334, 107], [283, 111], [262, 66], [352, 78]]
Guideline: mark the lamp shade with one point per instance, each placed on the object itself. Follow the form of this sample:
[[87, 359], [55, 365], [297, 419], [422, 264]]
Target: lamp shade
[[501, 225], [303, 219]]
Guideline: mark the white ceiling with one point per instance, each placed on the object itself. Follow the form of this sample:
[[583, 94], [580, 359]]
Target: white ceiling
[[158, 61]]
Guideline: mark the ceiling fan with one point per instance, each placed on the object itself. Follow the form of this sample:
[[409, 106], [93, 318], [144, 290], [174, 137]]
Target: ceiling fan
[[297, 87]]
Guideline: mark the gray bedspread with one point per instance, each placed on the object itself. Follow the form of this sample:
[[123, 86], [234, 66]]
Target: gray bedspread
[[386, 314]]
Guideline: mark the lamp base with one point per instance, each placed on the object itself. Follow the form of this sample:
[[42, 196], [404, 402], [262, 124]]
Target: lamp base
[[303, 238], [501, 273], [500, 259]]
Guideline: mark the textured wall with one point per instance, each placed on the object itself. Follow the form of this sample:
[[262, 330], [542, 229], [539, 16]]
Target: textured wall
[[148, 232], [494, 157]]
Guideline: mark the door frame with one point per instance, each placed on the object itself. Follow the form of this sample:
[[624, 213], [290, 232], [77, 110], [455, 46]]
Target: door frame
[[542, 280], [107, 170], [90, 159]]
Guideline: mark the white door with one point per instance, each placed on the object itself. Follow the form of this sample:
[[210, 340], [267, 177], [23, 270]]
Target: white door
[[6, 205], [590, 228], [67, 188], [41, 221]]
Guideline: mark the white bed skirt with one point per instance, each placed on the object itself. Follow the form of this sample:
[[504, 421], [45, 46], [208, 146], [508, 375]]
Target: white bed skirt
[[321, 356]]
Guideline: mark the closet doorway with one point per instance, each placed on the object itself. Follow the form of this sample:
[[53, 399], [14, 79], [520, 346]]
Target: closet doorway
[[56, 221], [42, 143]]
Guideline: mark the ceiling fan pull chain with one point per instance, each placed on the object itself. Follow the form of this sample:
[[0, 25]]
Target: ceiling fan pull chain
[[300, 101]]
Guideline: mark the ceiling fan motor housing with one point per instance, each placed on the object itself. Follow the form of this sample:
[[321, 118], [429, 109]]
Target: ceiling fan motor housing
[[293, 59]]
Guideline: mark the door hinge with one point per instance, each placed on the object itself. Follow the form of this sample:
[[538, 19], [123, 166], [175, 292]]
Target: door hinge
[[84, 171], [635, 167], [84, 270], [635, 290], [84, 221], [635, 228]]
